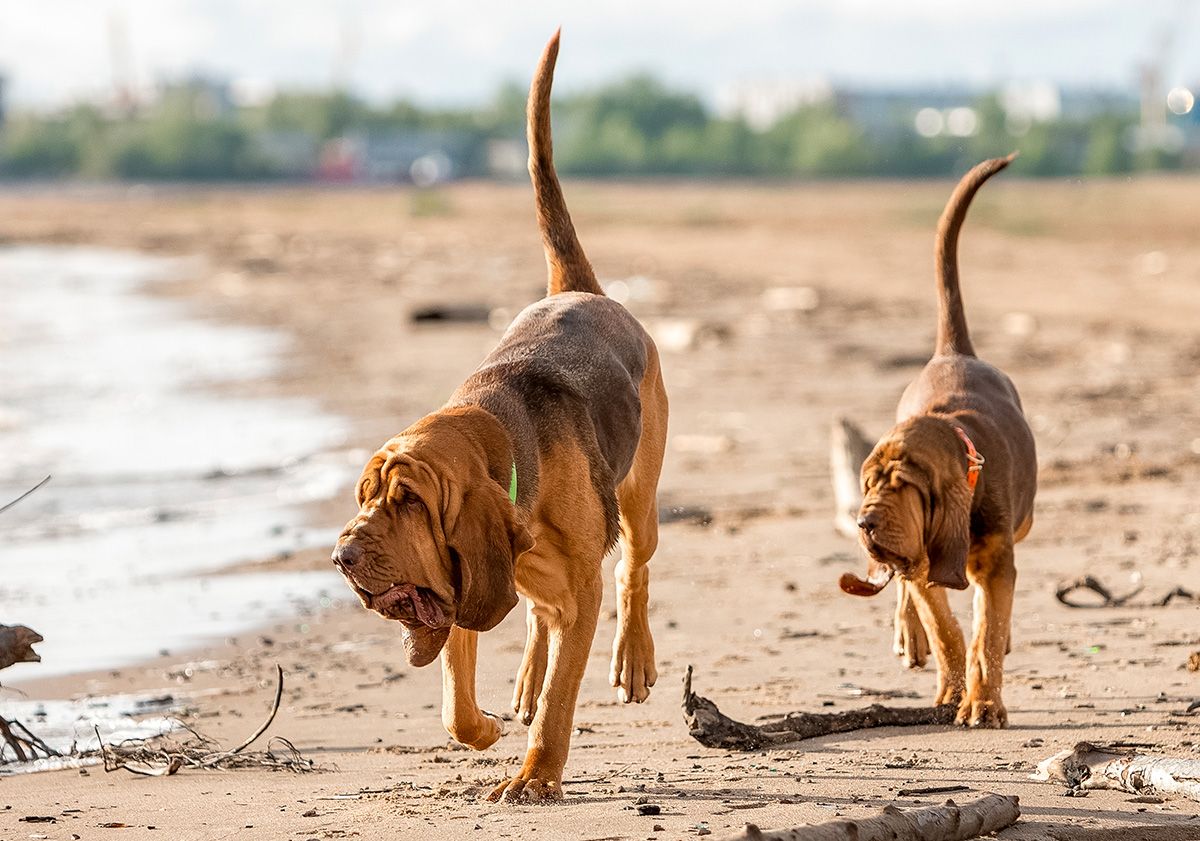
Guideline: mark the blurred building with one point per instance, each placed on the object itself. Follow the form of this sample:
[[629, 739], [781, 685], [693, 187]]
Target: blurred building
[[421, 157], [762, 104], [203, 97]]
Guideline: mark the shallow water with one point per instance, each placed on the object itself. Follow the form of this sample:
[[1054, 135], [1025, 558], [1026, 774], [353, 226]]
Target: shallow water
[[158, 476], [71, 727]]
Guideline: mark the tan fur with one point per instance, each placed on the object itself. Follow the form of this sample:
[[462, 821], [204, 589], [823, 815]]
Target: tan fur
[[921, 517], [439, 545]]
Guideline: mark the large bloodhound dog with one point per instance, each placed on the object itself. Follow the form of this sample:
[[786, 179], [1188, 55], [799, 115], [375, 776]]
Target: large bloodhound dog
[[948, 492], [522, 483]]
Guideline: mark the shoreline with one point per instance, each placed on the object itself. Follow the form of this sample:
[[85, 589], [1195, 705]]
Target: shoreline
[[750, 599]]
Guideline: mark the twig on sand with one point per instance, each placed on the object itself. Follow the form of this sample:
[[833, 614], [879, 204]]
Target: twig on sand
[[1090, 766], [1108, 599], [13, 502], [162, 757], [950, 822], [1090, 582], [712, 728]]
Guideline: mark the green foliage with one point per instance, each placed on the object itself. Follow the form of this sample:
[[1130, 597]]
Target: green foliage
[[634, 127]]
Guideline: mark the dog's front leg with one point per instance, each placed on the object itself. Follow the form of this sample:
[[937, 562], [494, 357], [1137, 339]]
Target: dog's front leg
[[991, 569], [910, 642], [572, 628], [461, 716], [946, 638]]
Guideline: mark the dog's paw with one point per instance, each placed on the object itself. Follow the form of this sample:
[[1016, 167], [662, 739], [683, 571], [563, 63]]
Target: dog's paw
[[482, 734], [529, 684], [527, 789], [949, 693], [982, 712], [633, 671], [911, 644]]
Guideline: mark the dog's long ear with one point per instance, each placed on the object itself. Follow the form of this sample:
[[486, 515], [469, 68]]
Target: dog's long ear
[[949, 536], [487, 541]]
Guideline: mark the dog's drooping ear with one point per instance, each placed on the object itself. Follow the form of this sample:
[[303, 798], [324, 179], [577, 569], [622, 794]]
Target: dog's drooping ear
[[949, 537], [487, 541]]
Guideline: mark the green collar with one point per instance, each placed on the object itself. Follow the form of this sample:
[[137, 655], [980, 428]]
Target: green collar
[[512, 484]]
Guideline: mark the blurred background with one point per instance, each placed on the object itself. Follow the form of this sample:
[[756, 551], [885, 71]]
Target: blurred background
[[370, 91]]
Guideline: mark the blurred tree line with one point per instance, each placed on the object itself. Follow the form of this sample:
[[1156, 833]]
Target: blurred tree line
[[635, 127]]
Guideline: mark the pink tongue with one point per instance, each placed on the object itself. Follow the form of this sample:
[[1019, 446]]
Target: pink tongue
[[428, 612]]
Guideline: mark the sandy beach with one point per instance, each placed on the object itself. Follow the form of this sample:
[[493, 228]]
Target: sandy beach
[[776, 308]]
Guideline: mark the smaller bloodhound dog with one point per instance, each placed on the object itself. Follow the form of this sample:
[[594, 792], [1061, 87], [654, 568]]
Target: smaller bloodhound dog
[[948, 492], [547, 455]]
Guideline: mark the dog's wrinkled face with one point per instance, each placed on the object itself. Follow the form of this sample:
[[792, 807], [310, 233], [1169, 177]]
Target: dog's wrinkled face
[[915, 516], [430, 547], [894, 513]]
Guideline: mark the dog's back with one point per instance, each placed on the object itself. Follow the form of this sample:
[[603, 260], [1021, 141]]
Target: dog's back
[[574, 361]]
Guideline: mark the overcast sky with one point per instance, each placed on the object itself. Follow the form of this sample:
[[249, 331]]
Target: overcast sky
[[455, 51]]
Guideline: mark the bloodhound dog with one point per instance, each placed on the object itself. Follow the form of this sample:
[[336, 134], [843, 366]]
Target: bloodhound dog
[[948, 492], [547, 455]]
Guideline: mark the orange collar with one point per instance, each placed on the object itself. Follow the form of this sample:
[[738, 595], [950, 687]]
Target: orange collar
[[973, 456]]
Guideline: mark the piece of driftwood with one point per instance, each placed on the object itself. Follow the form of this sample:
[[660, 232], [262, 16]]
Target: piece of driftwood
[[1089, 766], [949, 822], [16, 645], [713, 729], [848, 449], [1065, 594], [162, 756], [1090, 582]]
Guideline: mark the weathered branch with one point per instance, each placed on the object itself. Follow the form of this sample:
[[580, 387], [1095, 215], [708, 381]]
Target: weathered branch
[[950, 822], [1100, 766], [162, 758], [16, 645], [13, 502], [713, 729]]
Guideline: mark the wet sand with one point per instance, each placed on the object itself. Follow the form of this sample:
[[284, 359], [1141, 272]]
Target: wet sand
[[1083, 293]]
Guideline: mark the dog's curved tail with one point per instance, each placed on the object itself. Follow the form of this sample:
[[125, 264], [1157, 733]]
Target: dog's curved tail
[[952, 335], [569, 268]]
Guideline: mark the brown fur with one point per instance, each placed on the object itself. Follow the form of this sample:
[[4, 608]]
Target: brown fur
[[573, 398], [920, 517]]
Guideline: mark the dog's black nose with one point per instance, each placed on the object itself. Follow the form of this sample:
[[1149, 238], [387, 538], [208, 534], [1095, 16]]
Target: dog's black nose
[[347, 555], [866, 522]]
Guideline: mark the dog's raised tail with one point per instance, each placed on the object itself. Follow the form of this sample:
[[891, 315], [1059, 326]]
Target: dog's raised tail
[[953, 336], [569, 268]]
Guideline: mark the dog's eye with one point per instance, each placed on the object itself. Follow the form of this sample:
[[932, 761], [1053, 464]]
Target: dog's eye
[[410, 500]]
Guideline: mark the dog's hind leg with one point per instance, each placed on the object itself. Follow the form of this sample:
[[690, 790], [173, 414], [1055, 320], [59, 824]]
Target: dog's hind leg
[[464, 721], [633, 671], [533, 667]]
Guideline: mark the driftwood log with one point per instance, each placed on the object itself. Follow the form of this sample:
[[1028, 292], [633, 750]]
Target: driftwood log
[[950, 822], [1090, 766], [16, 645], [713, 729]]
